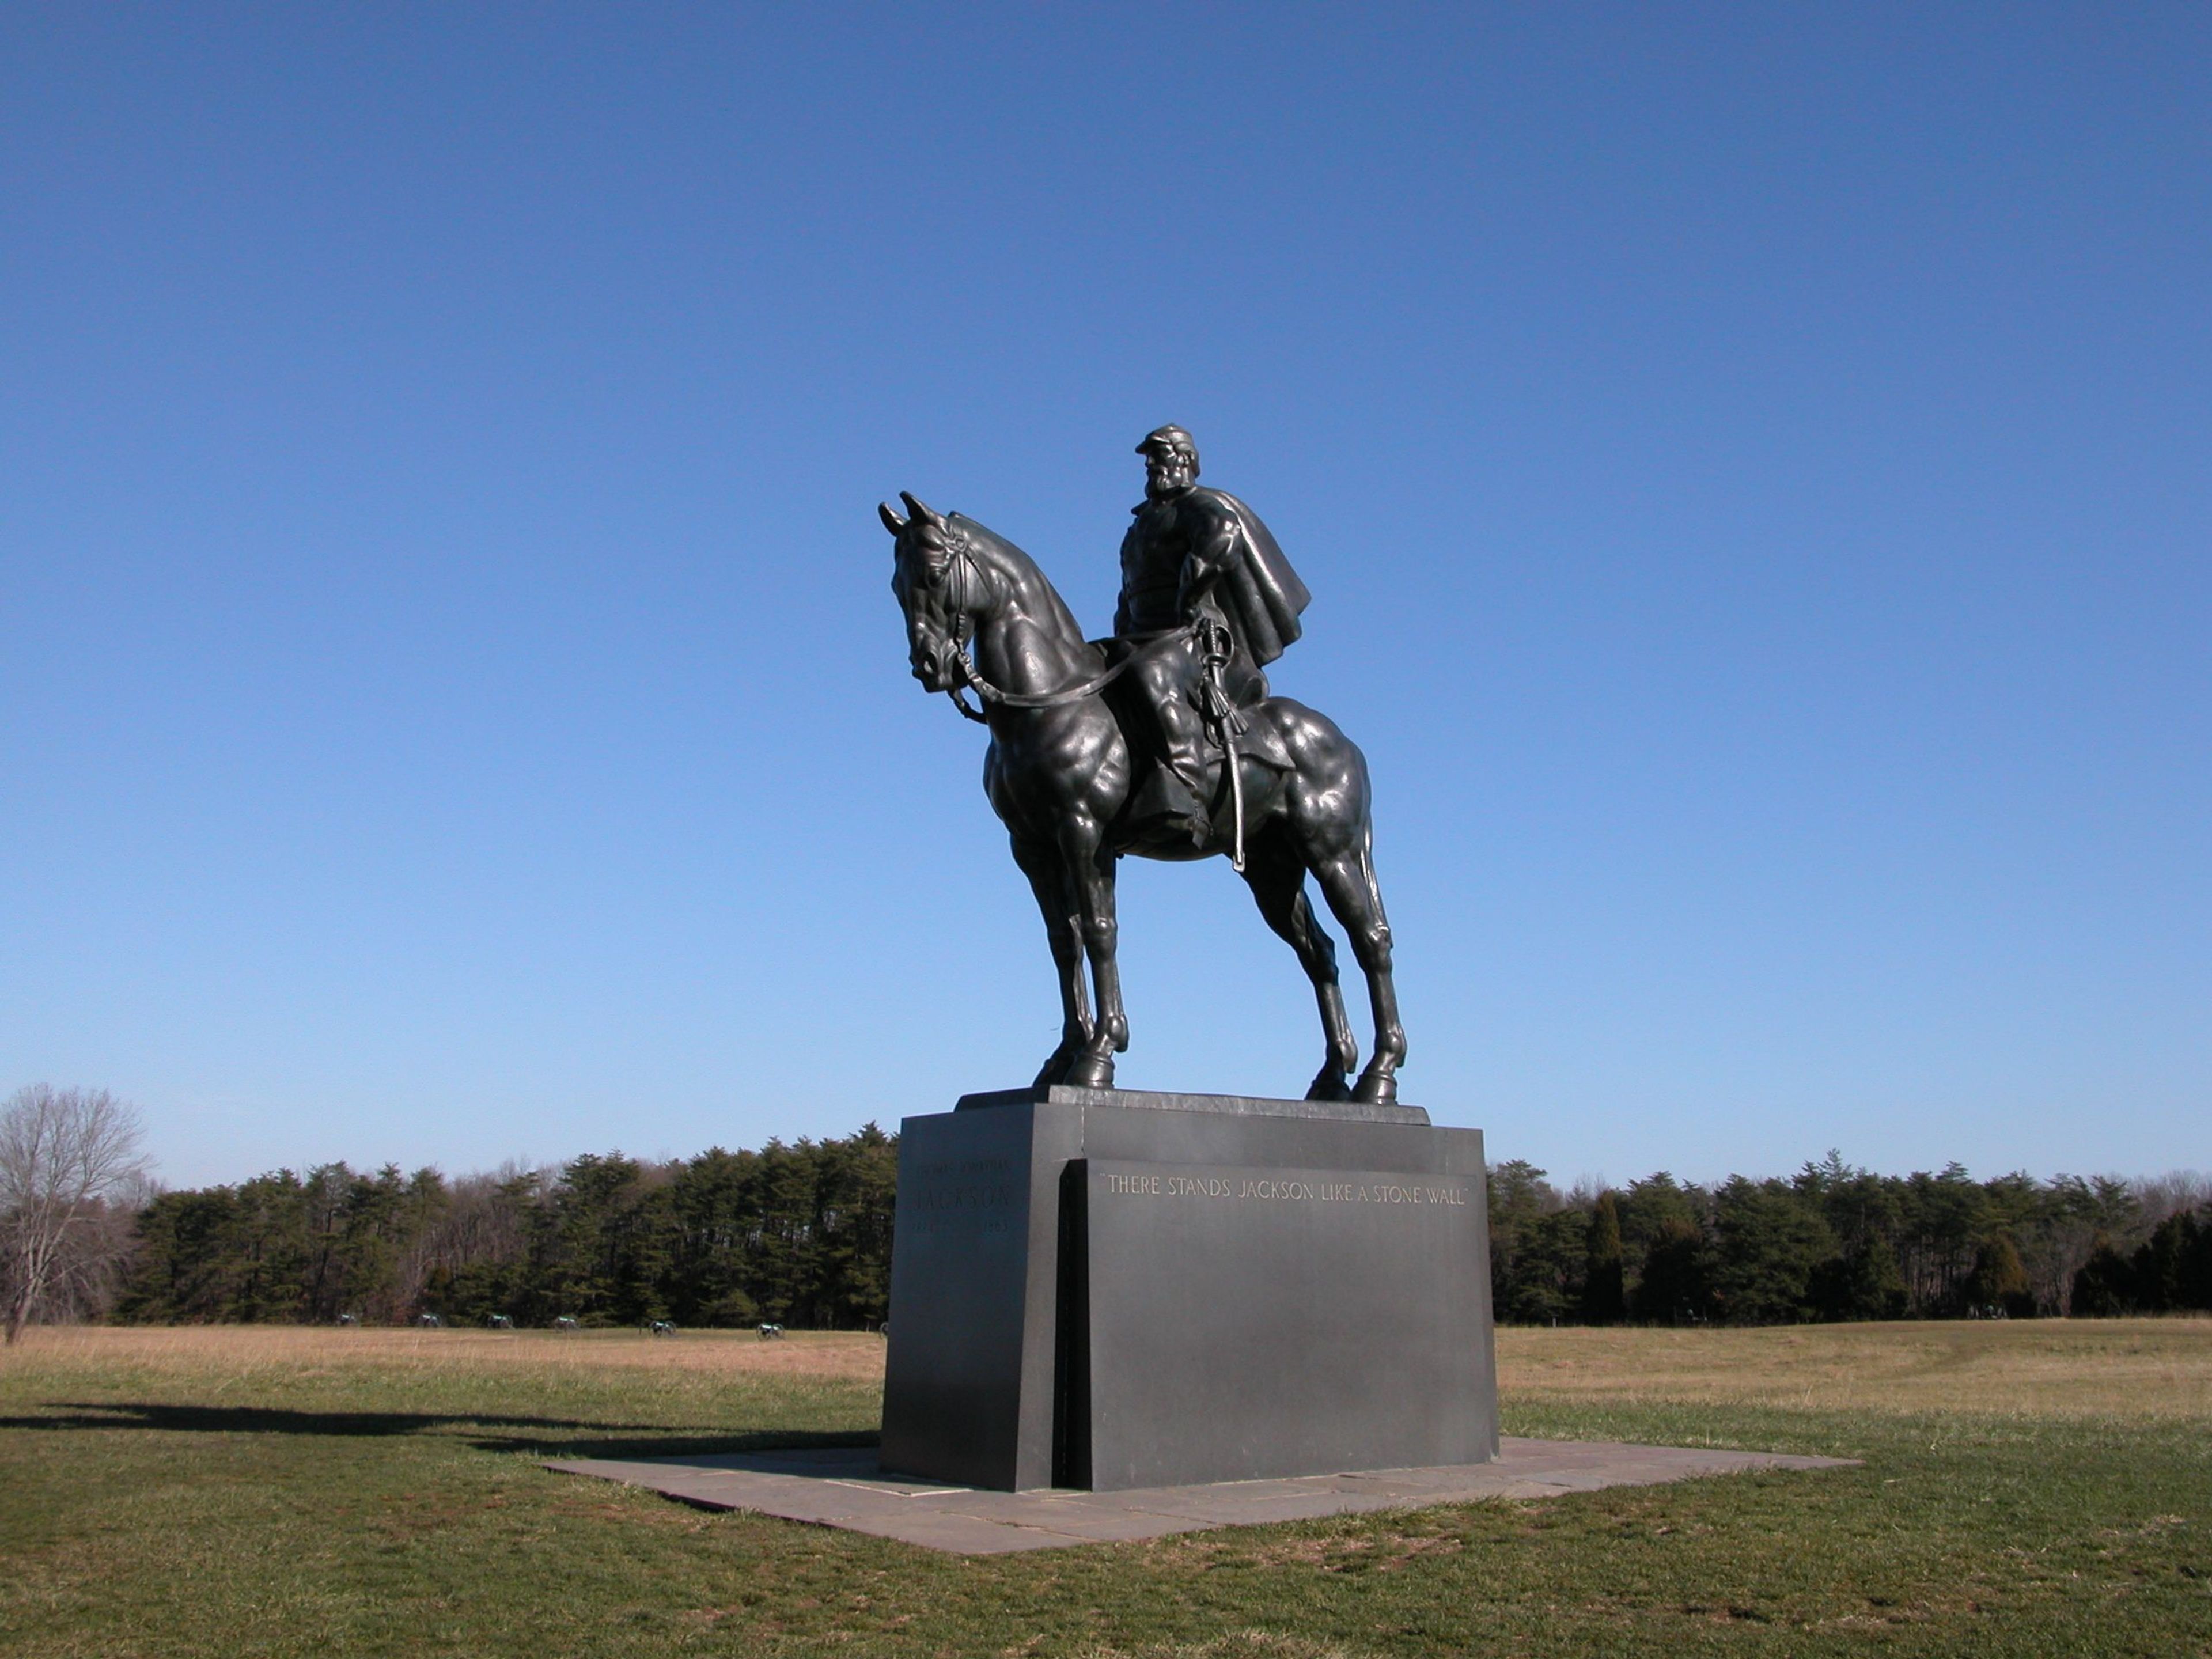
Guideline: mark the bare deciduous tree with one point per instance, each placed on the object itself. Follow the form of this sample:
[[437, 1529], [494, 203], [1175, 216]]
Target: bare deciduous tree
[[64, 1154]]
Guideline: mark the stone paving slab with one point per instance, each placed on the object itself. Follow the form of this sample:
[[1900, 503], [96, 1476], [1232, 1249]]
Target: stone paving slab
[[841, 1486]]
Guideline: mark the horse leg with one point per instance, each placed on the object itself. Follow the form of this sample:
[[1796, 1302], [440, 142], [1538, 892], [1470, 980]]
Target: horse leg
[[1348, 884], [1041, 862], [1091, 860], [1277, 881]]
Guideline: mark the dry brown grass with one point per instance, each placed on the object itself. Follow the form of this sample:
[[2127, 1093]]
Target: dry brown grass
[[2128, 1368], [213, 1351], [2159, 1368]]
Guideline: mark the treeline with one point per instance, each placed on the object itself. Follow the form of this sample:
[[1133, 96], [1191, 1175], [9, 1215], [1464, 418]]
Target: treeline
[[1835, 1242], [798, 1235], [801, 1235]]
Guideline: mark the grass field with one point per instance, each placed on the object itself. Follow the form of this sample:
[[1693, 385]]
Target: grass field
[[2028, 1488]]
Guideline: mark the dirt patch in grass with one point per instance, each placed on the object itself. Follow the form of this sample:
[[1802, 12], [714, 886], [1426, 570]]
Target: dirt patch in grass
[[1244, 1644]]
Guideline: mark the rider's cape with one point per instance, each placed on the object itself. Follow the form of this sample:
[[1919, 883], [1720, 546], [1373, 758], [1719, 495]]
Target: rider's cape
[[1259, 595]]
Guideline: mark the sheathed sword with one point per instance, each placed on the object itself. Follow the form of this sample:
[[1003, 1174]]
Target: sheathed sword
[[1221, 714], [1235, 794]]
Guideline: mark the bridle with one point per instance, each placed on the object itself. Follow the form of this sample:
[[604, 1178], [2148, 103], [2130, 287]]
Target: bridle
[[960, 576]]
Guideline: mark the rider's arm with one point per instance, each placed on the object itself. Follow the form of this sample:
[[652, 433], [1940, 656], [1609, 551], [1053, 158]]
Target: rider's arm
[[1212, 550], [1125, 621]]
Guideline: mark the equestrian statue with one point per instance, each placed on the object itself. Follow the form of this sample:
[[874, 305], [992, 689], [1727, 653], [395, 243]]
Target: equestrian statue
[[1163, 741]]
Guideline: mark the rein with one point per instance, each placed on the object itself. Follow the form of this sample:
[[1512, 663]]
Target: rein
[[992, 694], [960, 575]]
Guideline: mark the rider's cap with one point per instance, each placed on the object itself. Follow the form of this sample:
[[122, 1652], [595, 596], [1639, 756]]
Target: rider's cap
[[1169, 438]]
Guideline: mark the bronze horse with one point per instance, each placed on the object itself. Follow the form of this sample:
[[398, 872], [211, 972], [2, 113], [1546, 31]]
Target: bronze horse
[[1060, 773]]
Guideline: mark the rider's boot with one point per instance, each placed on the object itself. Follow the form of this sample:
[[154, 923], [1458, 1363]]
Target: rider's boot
[[1173, 794], [1176, 789], [1168, 797]]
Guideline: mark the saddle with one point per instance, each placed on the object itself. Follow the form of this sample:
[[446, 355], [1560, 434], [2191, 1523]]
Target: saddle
[[1245, 686]]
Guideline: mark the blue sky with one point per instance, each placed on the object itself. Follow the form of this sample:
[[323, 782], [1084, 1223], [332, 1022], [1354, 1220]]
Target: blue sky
[[1751, 464]]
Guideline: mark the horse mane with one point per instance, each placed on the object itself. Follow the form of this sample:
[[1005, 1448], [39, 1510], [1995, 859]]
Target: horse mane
[[993, 560], [971, 538]]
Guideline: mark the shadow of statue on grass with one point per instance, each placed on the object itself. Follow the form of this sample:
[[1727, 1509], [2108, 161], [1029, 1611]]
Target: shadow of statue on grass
[[564, 1437]]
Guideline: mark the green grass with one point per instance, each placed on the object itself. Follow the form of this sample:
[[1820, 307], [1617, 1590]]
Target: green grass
[[251, 1493]]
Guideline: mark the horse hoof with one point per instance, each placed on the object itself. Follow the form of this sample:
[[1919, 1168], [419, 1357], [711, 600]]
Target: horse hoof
[[1329, 1084], [1377, 1090], [1091, 1074]]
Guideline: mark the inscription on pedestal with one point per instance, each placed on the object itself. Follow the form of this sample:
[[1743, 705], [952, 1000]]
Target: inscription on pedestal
[[1276, 1189], [968, 1196], [1218, 1300]]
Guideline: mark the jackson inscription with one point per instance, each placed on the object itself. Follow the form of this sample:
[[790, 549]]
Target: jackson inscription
[[961, 1195], [1214, 1350], [1410, 1189]]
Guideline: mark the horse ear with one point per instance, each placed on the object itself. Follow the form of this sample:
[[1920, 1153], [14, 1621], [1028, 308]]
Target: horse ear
[[892, 522], [919, 510]]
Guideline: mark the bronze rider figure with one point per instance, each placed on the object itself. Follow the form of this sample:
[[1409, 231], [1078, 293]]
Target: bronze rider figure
[[1207, 602]]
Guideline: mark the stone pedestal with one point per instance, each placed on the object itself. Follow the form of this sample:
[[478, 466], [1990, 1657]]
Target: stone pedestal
[[1107, 1289]]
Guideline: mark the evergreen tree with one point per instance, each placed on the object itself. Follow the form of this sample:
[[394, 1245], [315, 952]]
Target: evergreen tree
[[1605, 1298], [1519, 1197], [179, 1272], [1537, 1246], [1663, 1249], [1999, 1281], [599, 1246], [1943, 1219], [381, 1219], [2159, 1272], [1861, 1283], [269, 1250], [1544, 1285], [785, 1256], [1676, 1287], [2196, 1274], [2104, 1286], [1767, 1241], [713, 1221], [856, 1193]]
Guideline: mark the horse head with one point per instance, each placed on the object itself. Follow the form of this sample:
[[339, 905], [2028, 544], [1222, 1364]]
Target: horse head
[[932, 578]]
